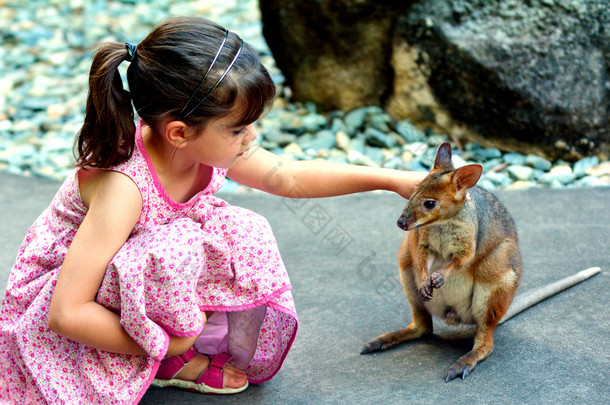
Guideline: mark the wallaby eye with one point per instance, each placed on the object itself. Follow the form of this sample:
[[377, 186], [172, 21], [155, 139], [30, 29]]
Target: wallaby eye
[[429, 204]]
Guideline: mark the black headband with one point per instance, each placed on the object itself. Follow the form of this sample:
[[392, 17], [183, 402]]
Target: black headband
[[206, 75]]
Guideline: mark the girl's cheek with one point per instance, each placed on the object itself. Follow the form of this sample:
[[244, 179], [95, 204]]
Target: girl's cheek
[[235, 140]]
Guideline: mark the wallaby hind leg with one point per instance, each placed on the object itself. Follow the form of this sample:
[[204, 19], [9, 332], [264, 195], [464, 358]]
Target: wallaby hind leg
[[421, 324], [483, 346], [495, 306]]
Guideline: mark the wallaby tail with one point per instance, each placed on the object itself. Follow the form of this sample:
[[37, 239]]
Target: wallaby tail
[[533, 297]]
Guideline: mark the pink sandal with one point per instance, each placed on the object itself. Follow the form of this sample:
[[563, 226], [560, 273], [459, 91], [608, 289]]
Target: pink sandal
[[210, 380]]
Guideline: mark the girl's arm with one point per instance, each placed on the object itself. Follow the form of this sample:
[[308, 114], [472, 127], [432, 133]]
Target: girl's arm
[[114, 204], [268, 172]]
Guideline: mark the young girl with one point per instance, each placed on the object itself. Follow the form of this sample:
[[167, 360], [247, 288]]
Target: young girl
[[136, 273]]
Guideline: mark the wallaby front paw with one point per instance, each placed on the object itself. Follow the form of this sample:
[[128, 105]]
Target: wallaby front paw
[[437, 280], [425, 291]]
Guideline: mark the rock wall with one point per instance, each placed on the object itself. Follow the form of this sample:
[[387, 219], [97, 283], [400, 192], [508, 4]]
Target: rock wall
[[333, 52], [526, 75]]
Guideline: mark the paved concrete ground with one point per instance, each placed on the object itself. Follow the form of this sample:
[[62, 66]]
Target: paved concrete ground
[[341, 255]]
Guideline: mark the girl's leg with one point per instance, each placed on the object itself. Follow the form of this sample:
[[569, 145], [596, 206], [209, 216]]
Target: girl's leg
[[233, 376]]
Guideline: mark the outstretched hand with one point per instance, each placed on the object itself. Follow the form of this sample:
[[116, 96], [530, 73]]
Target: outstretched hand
[[409, 182]]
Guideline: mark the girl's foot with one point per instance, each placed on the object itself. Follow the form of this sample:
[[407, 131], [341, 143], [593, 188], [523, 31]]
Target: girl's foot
[[200, 373], [233, 377]]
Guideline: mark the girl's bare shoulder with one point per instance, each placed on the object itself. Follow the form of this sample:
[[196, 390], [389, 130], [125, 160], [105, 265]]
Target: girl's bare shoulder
[[93, 182]]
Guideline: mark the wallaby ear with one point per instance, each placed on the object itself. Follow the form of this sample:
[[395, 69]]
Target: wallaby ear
[[467, 176], [443, 158]]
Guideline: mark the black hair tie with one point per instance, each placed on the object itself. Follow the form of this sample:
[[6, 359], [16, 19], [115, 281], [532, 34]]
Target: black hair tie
[[131, 51]]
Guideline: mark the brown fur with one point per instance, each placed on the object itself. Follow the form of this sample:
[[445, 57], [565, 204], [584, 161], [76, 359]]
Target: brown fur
[[459, 260]]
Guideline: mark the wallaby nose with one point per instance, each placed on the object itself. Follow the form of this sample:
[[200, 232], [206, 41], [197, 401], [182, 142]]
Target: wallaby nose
[[402, 223]]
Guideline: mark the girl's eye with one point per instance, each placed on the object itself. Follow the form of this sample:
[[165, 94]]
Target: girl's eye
[[429, 204], [239, 131]]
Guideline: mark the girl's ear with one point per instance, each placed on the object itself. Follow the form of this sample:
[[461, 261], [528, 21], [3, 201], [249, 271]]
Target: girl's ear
[[176, 134]]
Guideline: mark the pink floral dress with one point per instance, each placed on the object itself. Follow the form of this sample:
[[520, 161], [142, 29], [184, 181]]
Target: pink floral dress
[[180, 259]]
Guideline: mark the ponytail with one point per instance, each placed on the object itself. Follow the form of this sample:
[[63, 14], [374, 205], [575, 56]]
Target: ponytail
[[168, 72], [107, 137]]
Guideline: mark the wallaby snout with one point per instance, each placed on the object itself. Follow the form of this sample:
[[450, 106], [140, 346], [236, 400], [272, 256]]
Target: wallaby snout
[[406, 222]]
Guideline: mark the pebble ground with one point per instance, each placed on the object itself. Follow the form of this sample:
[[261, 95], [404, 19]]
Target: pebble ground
[[46, 54]]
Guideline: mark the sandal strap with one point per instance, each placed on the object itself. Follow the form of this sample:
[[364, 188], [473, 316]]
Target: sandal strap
[[172, 365], [212, 376]]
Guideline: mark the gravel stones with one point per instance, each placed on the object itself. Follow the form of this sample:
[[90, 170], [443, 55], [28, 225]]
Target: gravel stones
[[46, 55]]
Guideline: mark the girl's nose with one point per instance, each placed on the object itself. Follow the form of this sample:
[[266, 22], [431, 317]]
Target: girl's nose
[[252, 134]]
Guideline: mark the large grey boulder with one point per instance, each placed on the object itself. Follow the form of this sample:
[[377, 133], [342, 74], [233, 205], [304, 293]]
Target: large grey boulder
[[333, 52], [530, 75]]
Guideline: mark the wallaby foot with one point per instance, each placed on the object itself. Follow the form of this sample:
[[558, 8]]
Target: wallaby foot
[[464, 365], [387, 340], [483, 346]]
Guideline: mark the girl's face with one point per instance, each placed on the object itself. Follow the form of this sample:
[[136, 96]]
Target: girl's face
[[222, 143]]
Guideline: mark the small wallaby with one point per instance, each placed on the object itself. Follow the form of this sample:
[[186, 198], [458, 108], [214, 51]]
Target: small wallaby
[[459, 260]]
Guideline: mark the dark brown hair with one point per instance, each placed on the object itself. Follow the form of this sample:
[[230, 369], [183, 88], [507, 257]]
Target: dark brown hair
[[168, 65]]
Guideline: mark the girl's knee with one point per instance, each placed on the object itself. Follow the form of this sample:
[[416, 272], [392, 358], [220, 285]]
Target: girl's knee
[[178, 345]]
